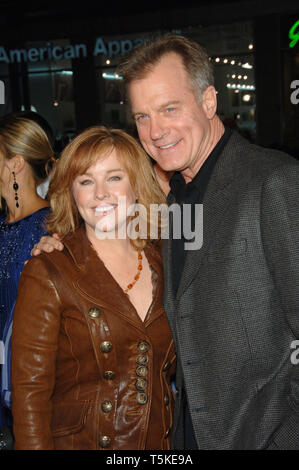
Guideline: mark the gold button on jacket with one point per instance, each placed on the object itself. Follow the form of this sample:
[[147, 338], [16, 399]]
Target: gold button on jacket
[[94, 312], [141, 384], [142, 359], [107, 406], [143, 346], [141, 398], [109, 375], [105, 442], [106, 347], [69, 392], [141, 371]]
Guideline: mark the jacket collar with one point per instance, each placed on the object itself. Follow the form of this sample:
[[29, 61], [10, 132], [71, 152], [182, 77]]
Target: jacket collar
[[96, 283]]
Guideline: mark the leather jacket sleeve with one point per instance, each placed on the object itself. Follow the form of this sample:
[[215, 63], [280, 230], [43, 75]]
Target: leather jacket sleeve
[[79, 379], [34, 346]]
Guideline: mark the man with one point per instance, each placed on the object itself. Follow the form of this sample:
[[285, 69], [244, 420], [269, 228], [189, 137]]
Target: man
[[233, 304]]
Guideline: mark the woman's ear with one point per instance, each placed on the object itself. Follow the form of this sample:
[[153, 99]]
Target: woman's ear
[[17, 164]]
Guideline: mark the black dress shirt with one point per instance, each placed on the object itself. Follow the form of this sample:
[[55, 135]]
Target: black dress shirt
[[191, 193]]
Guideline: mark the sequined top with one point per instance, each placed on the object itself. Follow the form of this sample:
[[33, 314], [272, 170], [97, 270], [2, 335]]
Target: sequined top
[[16, 241]]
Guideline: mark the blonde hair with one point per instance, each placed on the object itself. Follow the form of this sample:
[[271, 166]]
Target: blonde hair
[[83, 152], [21, 136]]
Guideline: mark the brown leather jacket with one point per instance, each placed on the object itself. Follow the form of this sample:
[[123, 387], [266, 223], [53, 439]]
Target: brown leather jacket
[[87, 373]]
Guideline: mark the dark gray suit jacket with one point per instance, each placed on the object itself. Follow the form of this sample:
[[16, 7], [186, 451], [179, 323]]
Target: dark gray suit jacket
[[236, 312]]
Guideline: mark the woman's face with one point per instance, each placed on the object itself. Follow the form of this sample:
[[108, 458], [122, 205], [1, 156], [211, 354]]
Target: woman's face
[[103, 195]]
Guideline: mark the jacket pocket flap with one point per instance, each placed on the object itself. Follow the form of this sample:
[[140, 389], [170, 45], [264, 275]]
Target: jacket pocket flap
[[68, 418]]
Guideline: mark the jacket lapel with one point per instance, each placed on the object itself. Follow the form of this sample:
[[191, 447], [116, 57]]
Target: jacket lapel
[[95, 282], [168, 296], [216, 202], [154, 258], [214, 208]]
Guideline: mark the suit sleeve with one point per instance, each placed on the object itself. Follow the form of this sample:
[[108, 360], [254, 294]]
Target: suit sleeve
[[280, 234], [35, 333]]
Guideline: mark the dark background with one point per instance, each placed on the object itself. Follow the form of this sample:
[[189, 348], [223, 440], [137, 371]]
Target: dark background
[[275, 65]]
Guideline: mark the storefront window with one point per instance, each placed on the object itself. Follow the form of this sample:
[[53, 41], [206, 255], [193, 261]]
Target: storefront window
[[46, 77], [42, 82], [51, 86], [114, 109], [51, 95], [108, 52], [231, 50]]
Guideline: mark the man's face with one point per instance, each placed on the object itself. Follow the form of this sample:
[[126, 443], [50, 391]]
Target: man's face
[[173, 128]]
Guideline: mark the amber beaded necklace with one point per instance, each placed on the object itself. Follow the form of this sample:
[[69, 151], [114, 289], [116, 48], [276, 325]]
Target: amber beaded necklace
[[137, 276]]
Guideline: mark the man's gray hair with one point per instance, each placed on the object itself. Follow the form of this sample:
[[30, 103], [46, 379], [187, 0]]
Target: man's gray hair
[[140, 61]]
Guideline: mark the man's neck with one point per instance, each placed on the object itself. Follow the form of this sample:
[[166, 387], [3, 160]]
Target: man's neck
[[216, 132]]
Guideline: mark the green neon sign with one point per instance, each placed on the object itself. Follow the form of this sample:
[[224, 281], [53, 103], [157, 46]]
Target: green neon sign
[[294, 36]]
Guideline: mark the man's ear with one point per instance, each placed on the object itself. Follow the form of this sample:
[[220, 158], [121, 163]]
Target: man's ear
[[17, 163], [209, 102]]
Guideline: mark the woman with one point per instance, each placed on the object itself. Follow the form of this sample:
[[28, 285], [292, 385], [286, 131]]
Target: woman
[[25, 153], [92, 349]]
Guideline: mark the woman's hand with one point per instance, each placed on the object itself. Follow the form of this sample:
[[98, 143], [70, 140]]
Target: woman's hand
[[47, 244]]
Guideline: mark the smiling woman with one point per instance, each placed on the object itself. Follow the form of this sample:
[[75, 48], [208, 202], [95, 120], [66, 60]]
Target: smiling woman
[[93, 369], [100, 161], [103, 195]]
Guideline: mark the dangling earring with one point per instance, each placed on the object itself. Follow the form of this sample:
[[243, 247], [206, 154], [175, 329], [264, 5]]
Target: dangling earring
[[15, 187]]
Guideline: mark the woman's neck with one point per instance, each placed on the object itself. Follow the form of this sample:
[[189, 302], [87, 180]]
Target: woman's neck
[[27, 205], [110, 247]]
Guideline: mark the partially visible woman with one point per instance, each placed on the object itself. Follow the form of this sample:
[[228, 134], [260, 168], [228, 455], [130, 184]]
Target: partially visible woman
[[25, 153], [92, 349]]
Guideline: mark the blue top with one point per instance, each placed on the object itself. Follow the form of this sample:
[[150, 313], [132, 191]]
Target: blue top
[[16, 241]]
